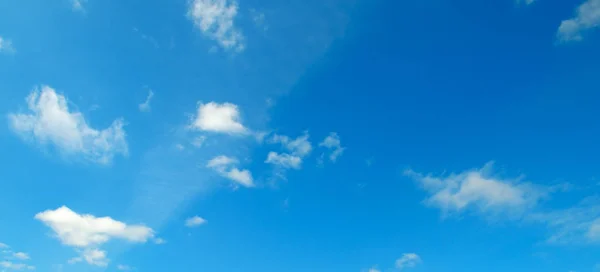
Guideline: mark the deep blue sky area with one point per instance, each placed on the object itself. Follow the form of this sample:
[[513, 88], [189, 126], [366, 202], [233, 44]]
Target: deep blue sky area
[[330, 135]]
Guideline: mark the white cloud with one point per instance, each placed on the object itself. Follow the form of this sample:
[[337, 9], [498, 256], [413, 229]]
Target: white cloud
[[374, 270], [576, 225], [6, 46], [587, 18], [222, 118], [15, 266], [284, 160], [215, 18], [225, 167], [194, 221], [477, 190], [259, 21], [21, 255], [123, 267], [49, 120], [408, 260], [2, 245], [299, 147], [333, 142], [91, 256], [145, 107], [85, 230]]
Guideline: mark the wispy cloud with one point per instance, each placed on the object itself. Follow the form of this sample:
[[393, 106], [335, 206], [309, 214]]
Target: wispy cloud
[[478, 190], [78, 5], [296, 149], [333, 143], [145, 106], [49, 120], [216, 20], [194, 221], [587, 17], [16, 266], [6, 46], [408, 260], [225, 166]]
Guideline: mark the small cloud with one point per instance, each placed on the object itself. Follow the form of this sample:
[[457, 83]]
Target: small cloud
[[199, 141], [195, 221], [15, 266], [86, 232], [225, 167], [586, 18], [179, 147], [284, 160], [145, 107], [370, 161], [6, 46], [123, 267], [408, 260], [216, 20], [333, 143], [220, 118], [160, 241], [21, 256], [478, 190], [259, 19], [2, 245], [78, 5]]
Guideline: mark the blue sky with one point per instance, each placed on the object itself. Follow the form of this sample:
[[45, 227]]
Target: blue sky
[[331, 135]]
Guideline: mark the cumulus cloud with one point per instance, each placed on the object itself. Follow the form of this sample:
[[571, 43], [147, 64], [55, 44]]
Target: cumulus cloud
[[145, 107], [86, 232], [15, 266], [587, 17], [216, 20], [220, 118], [194, 221], [284, 160], [49, 120], [6, 46], [479, 191], [333, 143], [408, 260], [225, 166]]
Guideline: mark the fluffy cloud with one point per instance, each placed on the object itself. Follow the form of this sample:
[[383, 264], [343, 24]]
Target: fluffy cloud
[[86, 232], [215, 18], [221, 118], [49, 120], [6, 46], [333, 143], [284, 160], [225, 167], [145, 107], [477, 190], [194, 221], [587, 17], [408, 260], [15, 266]]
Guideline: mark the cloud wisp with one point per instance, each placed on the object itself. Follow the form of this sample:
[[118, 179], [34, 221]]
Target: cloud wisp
[[50, 121]]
